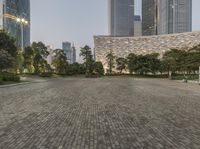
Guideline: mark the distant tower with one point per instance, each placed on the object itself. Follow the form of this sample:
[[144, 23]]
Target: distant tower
[[66, 46], [73, 54], [121, 17]]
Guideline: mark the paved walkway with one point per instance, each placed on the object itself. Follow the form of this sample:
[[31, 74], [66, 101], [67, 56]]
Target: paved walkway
[[106, 113]]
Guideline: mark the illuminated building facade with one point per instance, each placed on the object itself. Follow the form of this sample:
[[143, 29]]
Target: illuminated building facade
[[15, 20]]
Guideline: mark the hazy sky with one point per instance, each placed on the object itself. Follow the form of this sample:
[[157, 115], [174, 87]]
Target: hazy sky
[[54, 21]]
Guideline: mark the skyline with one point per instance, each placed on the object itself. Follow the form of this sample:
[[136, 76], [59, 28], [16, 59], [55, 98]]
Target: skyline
[[76, 22]]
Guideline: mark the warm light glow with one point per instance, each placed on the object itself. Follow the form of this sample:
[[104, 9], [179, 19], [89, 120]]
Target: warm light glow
[[23, 20], [18, 19]]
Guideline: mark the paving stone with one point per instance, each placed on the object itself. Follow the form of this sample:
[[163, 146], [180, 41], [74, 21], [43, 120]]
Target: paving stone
[[108, 113]]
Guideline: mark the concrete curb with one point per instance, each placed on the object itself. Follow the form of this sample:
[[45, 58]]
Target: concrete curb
[[16, 84]]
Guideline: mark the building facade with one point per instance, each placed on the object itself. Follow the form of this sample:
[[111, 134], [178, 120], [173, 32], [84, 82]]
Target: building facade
[[121, 17], [137, 26], [166, 16], [123, 46], [10, 12]]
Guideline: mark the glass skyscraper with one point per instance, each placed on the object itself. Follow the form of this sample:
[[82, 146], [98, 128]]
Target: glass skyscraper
[[10, 11], [166, 16], [180, 16], [149, 17], [121, 17], [70, 51]]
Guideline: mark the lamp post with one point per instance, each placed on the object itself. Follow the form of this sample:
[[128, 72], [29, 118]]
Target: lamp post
[[22, 22]]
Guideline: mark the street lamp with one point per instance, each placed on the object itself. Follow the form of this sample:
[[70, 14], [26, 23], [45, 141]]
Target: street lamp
[[22, 22]]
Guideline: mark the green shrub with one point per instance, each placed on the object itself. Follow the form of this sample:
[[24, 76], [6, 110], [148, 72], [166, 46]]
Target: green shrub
[[1, 80], [45, 74], [10, 77]]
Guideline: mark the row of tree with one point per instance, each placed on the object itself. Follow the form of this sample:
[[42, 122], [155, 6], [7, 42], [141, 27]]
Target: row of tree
[[175, 61], [33, 59]]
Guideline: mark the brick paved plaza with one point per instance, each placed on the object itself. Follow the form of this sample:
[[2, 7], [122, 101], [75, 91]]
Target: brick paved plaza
[[106, 113]]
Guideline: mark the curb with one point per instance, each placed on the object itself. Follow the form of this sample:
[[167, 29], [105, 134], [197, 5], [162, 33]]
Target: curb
[[16, 84]]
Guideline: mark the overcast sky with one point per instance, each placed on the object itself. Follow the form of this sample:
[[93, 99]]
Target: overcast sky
[[54, 21]]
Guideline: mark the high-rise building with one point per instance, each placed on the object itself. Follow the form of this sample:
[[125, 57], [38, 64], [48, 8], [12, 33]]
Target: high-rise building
[[67, 48], [137, 25], [149, 17], [121, 17], [180, 16], [166, 16], [73, 56], [15, 20], [70, 52]]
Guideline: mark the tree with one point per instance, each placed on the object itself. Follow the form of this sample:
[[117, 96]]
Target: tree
[[110, 60], [131, 62], [19, 62], [163, 67], [88, 59], [40, 54], [121, 64], [174, 59], [82, 69], [28, 55], [142, 65], [6, 60], [193, 58], [98, 68], [8, 51], [7, 43], [153, 62], [60, 61]]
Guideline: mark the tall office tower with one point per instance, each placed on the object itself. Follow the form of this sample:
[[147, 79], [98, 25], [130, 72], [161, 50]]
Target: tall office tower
[[162, 17], [121, 17], [180, 16], [67, 48], [15, 20], [149, 17], [73, 56], [137, 25], [166, 16]]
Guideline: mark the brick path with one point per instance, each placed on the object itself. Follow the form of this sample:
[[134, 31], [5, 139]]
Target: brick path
[[106, 113]]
